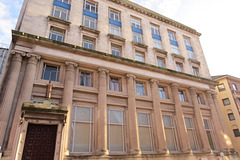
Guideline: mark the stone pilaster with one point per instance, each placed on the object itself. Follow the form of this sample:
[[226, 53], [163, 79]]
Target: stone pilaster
[[134, 147], [199, 119], [183, 136], [217, 124], [160, 136], [67, 99], [8, 96], [24, 96], [102, 112]]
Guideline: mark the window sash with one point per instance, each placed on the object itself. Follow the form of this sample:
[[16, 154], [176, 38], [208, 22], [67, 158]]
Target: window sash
[[89, 22], [114, 84], [114, 15], [174, 49], [195, 71], [226, 101], [187, 41], [171, 36], [137, 37], [88, 43], [85, 79], [181, 96], [155, 30], [234, 87], [162, 92], [85, 143], [114, 30], [209, 134], [192, 137], [190, 54], [157, 43], [136, 23], [231, 117], [140, 88], [199, 99], [50, 73], [139, 57], [91, 7], [160, 62], [60, 12], [56, 34], [116, 51], [178, 67]]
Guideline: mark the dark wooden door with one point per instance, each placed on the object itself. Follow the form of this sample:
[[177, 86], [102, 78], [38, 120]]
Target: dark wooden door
[[40, 142]]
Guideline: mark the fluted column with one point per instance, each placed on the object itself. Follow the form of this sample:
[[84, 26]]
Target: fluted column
[[8, 96], [102, 112], [67, 99], [220, 115], [160, 134], [24, 96], [216, 122], [183, 136], [134, 147], [199, 119]]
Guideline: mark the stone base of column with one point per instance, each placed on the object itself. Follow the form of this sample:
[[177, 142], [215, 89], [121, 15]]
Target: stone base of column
[[232, 150], [162, 151], [102, 152], [7, 153], [225, 150], [186, 151], [206, 150], [135, 151]]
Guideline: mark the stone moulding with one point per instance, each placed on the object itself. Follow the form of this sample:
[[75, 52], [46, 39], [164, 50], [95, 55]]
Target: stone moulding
[[160, 51], [139, 44], [178, 56], [194, 61], [116, 37], [45, 41], [65, 22], [153, 14], [89, 29]]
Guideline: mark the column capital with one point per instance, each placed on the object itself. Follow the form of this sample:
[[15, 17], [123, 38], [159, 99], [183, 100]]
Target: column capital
[[14, 52], [192, 89], [208, 92], [71, 65], [174, 85], [129, 75], [17, 57], [103, 71], [33, 58], [154, 81]]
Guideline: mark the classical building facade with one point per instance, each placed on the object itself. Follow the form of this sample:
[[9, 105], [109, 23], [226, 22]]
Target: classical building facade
[[229, 99], [107, 79]]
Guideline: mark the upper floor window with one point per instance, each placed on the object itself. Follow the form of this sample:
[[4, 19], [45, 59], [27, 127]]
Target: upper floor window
[[89, 22], [236, 132], [155, 30], [173, 42], [187, 41], [145, 131], [174, 49], [60, 12], [91, 7], [139, 57], [172, 36], [85, 78], [157, 43], [188, 47], [64, 1], [114, 15], [140, 88], [137, 37], [82, 129], [181, 96], [221, 87], [192, 137], [136, 23], [116, 30], [195, 71], [116, 51], [160, 62], [209, 133], [116, 130], [88, 43], [50, 72], [56, 34], [231, 117], [114, 84], [199, 98], [179, 67], [225, 101], [170, 133], [234, 87], [162, 92]]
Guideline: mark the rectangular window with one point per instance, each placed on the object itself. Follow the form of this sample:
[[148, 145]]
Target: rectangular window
[[181, 96], [187, 41], [116, 30], [231, 117], [174, 49], [114, 15], [56, 34], [179, 67], [221, 87], [199, 99], [82, 125], [145, 132], [172, 36], [234, 87], [170, 133], [209, 134], [135, 23], [195, 71], [50, 72], [140, 57], [116, 130], [137, 37], [115, 84], [192, 138], [155, 30], [160, 62], [190, 54], [88, 43], [236, 132], [173, 42], [140, 88], [225, 101], [85, 79], [116, 51], [90, 7], [89, 22], [157, 43], [60, 12], [162, 92]]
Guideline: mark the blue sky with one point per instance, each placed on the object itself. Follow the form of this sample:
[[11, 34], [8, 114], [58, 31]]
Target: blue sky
[[217, 20]]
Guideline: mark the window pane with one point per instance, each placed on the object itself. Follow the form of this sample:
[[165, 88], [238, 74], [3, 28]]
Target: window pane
[[116, 138], [191, 139], [143, 119], [145, 139], [81, 138], [210, 140], [170, 139], [167, 120], [188, 122], [83, 114], [115, 117]]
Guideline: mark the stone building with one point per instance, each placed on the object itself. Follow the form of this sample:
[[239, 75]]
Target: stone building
[[124, 82], [229, 99], [3, 57]]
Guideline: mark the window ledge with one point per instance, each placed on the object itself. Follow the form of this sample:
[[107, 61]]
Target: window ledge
[[139, 44], [160, 51], [89, 29], [65, 22], [116, 37], [194, 61], [178, 56]]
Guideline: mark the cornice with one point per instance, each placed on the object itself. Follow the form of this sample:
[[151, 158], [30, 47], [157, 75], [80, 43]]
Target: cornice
[[17, 35], [143, 10]]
